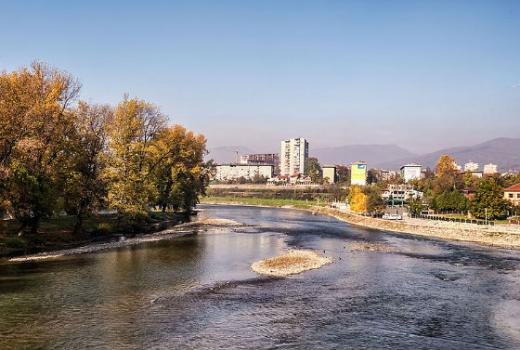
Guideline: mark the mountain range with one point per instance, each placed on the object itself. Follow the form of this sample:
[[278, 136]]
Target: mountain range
[[505, 152]]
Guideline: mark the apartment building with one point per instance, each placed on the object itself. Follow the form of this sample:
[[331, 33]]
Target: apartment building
[[226, 172], [293, 156]]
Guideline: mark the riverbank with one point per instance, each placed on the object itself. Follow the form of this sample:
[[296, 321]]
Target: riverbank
[[263, 202], [178, 231], [496, 236], [58, 233]]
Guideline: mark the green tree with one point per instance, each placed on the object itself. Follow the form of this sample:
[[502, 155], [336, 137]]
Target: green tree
[[375, 203], [449, 201], [489, 201], [415, 206], [313, 169]]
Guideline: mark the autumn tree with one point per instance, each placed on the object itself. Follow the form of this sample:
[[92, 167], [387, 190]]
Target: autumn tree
[[84, 187], [447, 177], [357, 199], [35, 131], [179, 171], [132, 134]]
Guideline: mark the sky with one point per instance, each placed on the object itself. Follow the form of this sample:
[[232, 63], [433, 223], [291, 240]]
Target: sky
[[421, 74]]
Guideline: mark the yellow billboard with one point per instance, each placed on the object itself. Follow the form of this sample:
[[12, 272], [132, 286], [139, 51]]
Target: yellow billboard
[[358, 174]]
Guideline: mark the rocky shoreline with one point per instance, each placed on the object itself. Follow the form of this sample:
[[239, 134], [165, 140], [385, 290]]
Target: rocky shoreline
[[177, 231], [486, 235]]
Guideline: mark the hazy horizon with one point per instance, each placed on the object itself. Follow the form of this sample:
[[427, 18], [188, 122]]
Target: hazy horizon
[[421, 75]]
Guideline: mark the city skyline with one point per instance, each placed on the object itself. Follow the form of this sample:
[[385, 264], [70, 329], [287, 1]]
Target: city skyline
[[340, 73]]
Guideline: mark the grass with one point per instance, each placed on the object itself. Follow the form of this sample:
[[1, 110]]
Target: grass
[[270, 202], [58, 232], [463, 217]]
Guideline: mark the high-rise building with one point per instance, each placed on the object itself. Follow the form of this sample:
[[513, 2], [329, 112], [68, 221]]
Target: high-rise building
[[490, 169], [293, 156], [472, 167], [358, 173], [411, 172]]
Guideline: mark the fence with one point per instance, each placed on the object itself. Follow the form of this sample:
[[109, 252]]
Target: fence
[[462, 221]]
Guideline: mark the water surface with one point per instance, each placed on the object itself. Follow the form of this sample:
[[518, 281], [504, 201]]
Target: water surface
[[198, 292]]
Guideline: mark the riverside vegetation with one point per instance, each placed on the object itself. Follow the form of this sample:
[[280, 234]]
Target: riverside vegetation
[[63, 161]]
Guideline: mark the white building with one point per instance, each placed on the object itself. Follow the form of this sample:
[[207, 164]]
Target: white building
[[472, 167], [293, 156], [411, 172], [227, 172], [490, 169], [401, 193]]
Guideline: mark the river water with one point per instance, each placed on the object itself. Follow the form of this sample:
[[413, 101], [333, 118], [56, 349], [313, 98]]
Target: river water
[[198, 292]]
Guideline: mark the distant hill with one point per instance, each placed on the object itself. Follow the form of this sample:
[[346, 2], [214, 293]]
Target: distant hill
[[227, 154], [372, 154], [505, 152]]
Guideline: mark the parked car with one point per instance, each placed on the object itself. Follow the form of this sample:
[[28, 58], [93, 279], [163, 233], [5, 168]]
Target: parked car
[[392, 217]]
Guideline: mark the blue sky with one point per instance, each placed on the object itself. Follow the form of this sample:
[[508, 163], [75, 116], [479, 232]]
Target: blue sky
[[422, 74]]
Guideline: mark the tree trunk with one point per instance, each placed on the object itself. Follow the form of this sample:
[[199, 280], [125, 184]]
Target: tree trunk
[[78, 225], [35, 222]]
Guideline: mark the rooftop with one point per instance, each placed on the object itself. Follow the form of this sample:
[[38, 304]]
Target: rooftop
[[514, 188]]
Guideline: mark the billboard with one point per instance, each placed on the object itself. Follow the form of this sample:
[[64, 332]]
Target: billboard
[[358, 174]]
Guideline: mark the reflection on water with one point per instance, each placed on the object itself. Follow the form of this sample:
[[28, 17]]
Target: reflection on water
[[198, 292]]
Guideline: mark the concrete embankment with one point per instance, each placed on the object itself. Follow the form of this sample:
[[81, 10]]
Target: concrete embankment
[[488, 235]]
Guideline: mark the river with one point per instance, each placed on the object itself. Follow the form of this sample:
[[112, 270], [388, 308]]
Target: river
[[198, 292]]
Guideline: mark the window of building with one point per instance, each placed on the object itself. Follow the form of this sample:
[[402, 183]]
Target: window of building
[[510, 195]]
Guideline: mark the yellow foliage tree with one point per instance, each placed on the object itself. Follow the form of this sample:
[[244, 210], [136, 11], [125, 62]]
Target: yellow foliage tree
[[357, 199], [132, 136]]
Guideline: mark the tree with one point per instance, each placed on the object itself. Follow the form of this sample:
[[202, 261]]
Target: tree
[[449, 201], [375, 203], [84, 188], [343, 174], [489, 202], [132, 134], [35, 132], [313, 169], [415, 206], [470, 181], [180, 174], [447, 177], [357, 199]]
